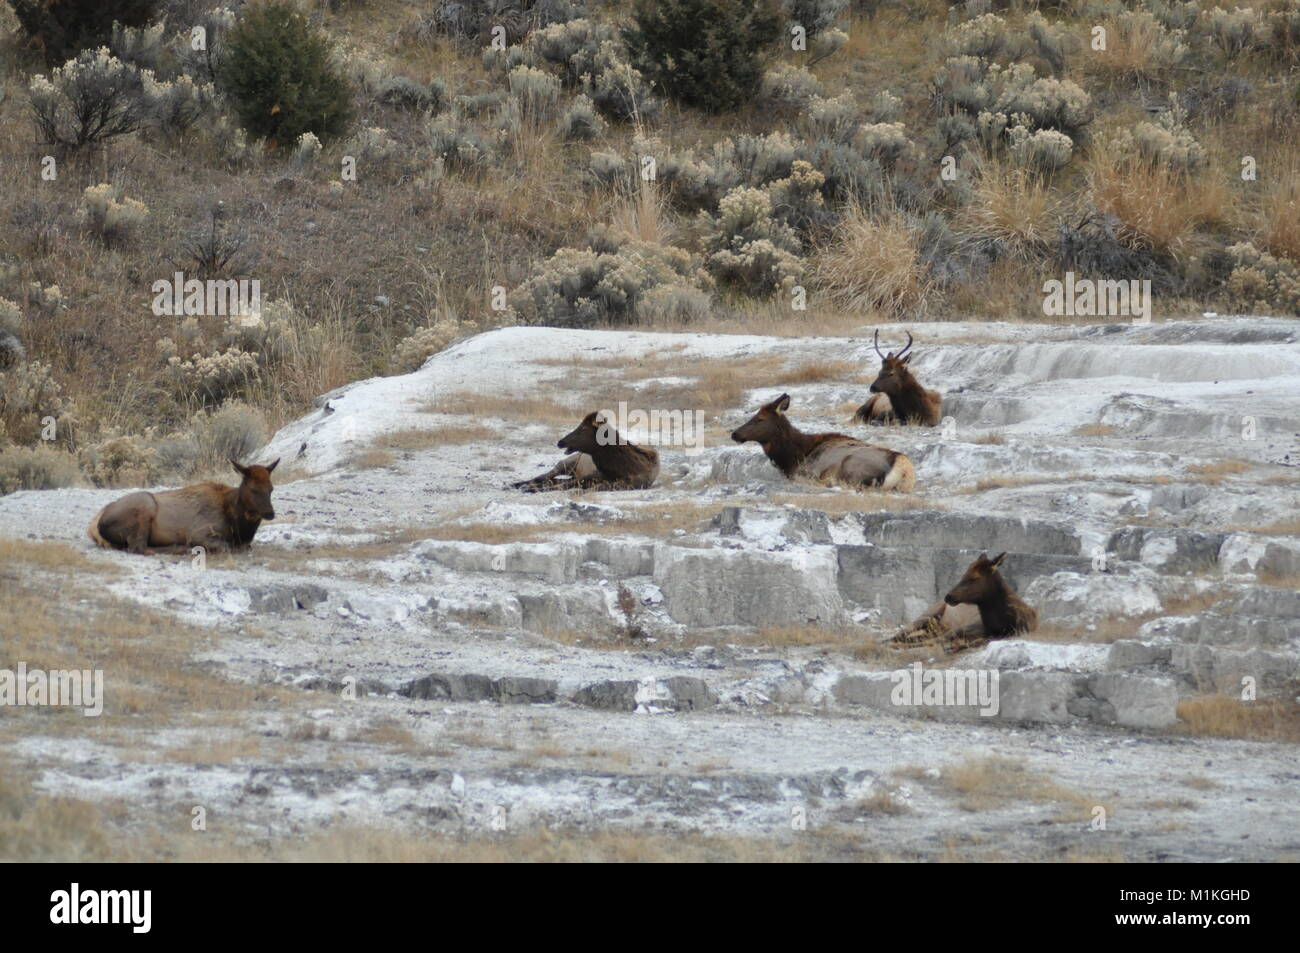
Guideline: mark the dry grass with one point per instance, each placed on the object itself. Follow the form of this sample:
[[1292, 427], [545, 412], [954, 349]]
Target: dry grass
[[1011, 482], [816, 373], [645, 216], [427, 438], [1132, 51], [882, 802], [873, 265], [988, 783], [1215, 473], [1225, 716], [545, 845], [373, 459], [1103, 631], [1013, 207], [149, 679], [215, 751], [1158, 208], [1094, 430], [1279, 580], [59, 557], [1279, 212], [1280, 528]]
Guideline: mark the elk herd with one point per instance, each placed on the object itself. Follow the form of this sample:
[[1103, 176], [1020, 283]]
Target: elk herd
[[981, 606]]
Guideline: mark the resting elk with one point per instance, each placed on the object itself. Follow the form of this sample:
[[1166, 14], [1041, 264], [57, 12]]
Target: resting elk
[[980, 607], [600, 458], [896, 396], [825, 457], [212, 515]]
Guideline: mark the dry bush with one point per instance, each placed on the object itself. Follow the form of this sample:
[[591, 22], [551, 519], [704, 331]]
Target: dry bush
[[1279, 215], [1013, 207], [874, 264], [1139, 47], [1157, 206]]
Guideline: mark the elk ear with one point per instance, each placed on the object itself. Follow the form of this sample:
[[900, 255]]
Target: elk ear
[[274, 465], [242, 471], [782, 404], [908, 359], [997, 561]]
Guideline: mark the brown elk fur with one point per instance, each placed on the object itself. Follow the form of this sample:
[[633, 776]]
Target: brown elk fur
[[825, 457], [1001, 613], [896, 396], [600, 458], [212, 515]]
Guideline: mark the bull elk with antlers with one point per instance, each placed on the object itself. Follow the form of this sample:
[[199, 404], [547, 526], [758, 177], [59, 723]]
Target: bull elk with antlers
[[982, 606], [825, 457], [897, 396]]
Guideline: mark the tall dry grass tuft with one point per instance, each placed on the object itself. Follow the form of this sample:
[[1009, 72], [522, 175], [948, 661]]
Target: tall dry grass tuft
[[1013, 207], [1157, 207], [320, 356], [1138, 48], [873, 264], [644, 216], [1279, 226]]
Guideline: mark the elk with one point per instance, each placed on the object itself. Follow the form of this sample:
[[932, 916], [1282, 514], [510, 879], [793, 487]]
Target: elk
[[599, 458], [896, 396], [212, 515], [825, 457], [1001, 613]]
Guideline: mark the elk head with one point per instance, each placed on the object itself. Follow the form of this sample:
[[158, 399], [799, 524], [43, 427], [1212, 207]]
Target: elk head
[[588, 437], [766, 425], [894, 377], [254, 495], [979, 583]]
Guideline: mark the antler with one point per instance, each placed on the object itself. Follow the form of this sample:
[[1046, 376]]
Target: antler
[[909, 344], [876, 344]]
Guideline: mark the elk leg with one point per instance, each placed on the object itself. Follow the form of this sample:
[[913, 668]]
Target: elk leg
[[928, 627], [967, 637], [877, 410], [137, 532], [550, 480]]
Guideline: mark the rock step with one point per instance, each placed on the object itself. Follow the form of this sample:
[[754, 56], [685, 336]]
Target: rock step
[[1210, 668], [1109, 698], [1180, 551]]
